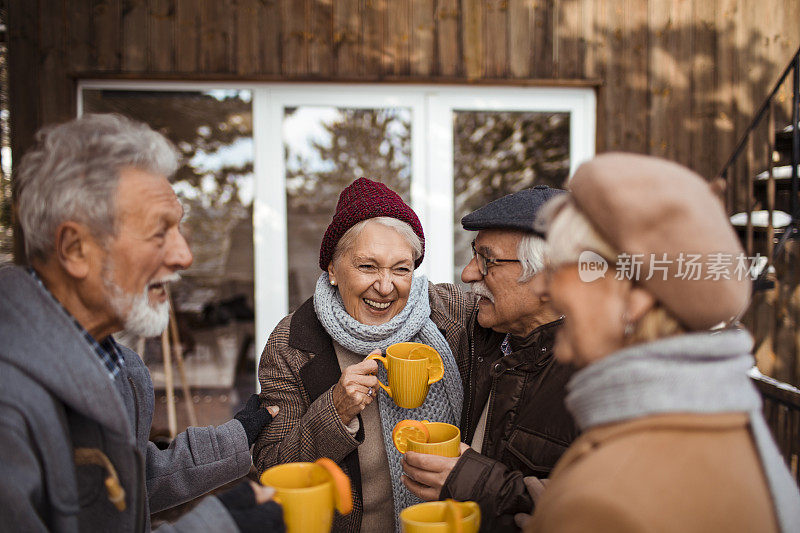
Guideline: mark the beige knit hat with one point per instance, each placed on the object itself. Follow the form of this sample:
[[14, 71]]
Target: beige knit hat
[[650, 206]]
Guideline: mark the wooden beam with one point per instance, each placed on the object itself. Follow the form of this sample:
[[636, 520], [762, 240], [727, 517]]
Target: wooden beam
[[134, 35], [24, 73], [544, 16], [187, 36], [423, 29], [161, 36], [398, 37], [246, 36], [373, 51], [23, 67], [472, 44], [59, 103], [347, 38], [294, 38], [448, 42], [520, 32], [495, 42], [269, 38], [398, 80], [320, 44], [107, 34], [217, 41]]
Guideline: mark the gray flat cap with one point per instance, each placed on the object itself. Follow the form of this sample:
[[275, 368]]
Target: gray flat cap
[[514, 211]]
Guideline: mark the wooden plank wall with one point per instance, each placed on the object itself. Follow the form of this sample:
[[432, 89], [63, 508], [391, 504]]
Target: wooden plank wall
[[679, 78]]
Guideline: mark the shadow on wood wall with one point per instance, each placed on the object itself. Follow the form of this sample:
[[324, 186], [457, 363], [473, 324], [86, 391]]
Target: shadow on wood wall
[[679, 79]]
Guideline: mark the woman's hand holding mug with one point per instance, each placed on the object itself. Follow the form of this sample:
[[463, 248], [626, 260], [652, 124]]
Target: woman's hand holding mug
[[355, 389]]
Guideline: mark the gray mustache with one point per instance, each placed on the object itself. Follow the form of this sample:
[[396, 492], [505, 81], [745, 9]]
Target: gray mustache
[[479, 288]]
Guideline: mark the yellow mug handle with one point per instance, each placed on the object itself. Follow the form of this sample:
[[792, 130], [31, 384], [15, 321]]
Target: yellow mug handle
[[453, 516], [455, 511], [382, 359], [467, 508]]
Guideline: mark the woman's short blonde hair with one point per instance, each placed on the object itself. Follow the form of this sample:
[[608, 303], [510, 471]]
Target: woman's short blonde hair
[[569, 234]]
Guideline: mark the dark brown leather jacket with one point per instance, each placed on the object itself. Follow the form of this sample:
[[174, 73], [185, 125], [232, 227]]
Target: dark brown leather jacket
[[527, 426]]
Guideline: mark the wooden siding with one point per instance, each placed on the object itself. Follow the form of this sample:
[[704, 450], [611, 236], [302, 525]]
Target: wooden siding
[[675, 78], [678, 78]]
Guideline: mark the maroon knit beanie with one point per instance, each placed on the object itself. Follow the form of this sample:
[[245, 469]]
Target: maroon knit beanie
[[361, 200]]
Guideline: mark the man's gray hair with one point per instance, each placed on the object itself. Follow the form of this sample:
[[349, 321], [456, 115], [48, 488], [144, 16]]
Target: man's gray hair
[[73, 172], [403, 228], [531, 252]]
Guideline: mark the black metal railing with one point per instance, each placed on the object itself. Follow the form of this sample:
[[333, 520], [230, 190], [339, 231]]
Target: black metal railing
[[782, 412], [744, 151], [774, 314]]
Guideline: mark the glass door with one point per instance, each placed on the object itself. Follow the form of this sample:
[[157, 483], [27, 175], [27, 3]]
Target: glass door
[[501, 140], [212, 128], [266, 163], [318, 142]]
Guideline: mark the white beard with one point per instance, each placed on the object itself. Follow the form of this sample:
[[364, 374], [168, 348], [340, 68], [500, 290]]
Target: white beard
[[139, 316]]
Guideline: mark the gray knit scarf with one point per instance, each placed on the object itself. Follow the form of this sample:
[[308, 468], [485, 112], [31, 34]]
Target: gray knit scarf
[[413, 323], [696, 373]]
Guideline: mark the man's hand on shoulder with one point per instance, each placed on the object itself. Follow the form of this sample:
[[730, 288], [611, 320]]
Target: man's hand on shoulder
[[254, 417]]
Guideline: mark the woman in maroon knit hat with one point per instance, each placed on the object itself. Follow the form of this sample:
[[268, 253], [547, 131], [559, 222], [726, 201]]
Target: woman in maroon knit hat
[[314, 365]]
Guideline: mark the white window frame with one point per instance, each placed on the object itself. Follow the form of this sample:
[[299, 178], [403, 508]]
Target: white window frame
[[431, 107]]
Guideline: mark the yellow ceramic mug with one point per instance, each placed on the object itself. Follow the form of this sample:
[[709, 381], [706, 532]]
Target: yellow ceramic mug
[[441, 517], [306, 492], [407, 367], [444, 440]]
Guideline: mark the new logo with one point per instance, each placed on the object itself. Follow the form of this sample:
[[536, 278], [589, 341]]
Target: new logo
[[591, 266]]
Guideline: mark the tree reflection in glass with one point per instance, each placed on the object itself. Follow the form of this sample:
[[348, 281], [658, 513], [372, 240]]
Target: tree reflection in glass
[[499, 153], [213, 131]]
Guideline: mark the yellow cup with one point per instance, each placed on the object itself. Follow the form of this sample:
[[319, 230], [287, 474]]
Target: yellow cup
[[433, 517], [444, 440], [408, 373], [305, 491]]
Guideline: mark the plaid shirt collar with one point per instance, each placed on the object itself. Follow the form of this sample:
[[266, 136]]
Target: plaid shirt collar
[[107, 350], [505, 346]]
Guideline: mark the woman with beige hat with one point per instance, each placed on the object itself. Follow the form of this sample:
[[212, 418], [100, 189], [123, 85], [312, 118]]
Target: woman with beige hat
[[673, 435]]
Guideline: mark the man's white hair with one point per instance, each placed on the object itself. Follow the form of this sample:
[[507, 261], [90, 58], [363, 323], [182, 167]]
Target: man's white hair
[[531, 252], [73, 172]]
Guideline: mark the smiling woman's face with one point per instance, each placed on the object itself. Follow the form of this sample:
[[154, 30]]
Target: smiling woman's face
[[374, 275]]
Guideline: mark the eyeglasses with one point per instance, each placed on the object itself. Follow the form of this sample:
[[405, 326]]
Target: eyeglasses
[[485, 263]]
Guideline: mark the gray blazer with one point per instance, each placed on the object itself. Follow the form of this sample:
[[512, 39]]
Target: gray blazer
[[55, 396]]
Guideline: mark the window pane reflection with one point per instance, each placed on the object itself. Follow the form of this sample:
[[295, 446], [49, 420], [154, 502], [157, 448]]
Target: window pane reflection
[[213, 130], [498, 153], [326, 148]]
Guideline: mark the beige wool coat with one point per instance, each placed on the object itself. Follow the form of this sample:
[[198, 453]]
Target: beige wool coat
[[687, 473]]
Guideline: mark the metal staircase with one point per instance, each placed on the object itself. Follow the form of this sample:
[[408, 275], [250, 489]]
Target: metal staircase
[[762, 198]]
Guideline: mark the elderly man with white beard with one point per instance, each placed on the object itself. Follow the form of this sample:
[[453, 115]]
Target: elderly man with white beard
[[514, 415], [101, 228]]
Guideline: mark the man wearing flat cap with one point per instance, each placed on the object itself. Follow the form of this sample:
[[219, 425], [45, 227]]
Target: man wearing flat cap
[[514, 416]]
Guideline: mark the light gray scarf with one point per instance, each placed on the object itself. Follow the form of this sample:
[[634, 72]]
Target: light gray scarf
[[413, 323], [695, 373]]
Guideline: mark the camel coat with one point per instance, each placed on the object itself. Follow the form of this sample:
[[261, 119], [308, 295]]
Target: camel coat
[[667, 473]]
